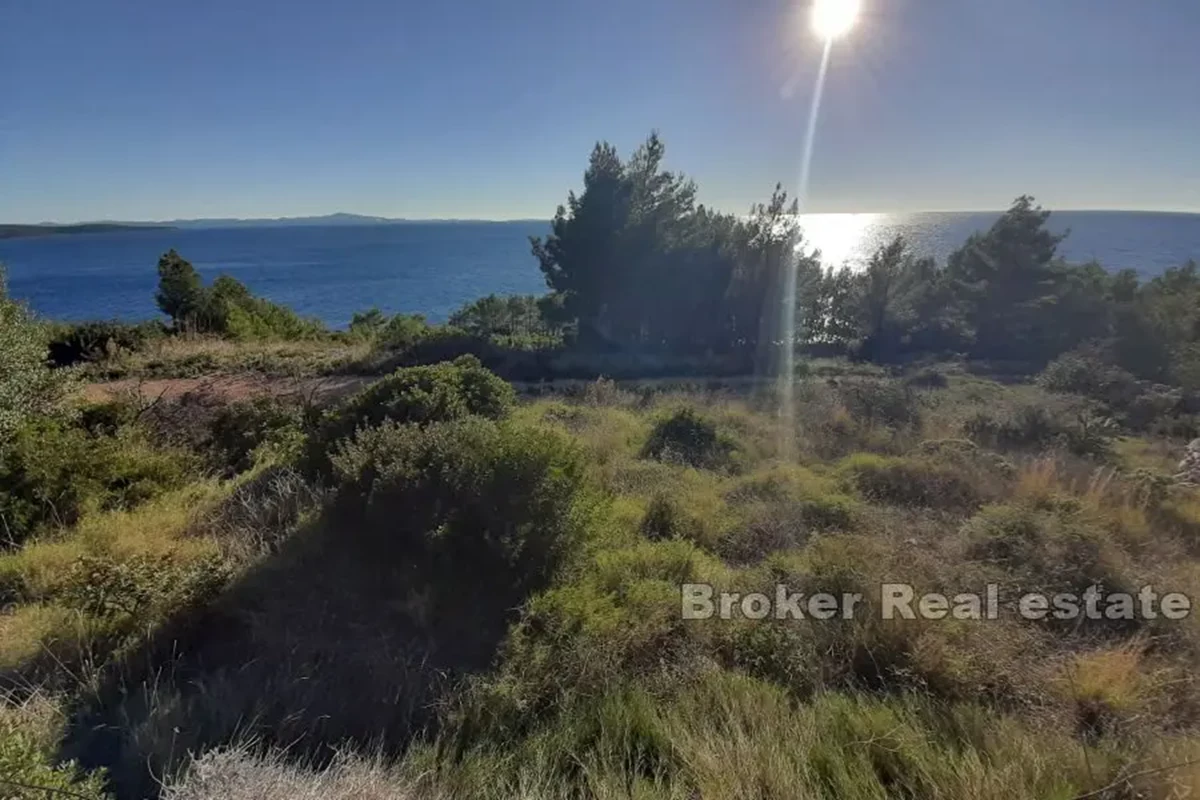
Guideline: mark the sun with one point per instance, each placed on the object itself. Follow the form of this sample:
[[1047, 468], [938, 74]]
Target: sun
[[834, 18]]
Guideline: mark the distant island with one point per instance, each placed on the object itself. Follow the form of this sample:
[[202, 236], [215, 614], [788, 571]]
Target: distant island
[[13, 231], [48, 229], [339, 218]]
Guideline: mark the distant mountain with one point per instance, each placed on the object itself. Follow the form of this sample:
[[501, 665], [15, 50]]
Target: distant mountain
[[340, 219], [277, 222], [51, 229]]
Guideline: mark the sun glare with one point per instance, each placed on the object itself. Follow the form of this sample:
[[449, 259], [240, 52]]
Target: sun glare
[[834, 18]]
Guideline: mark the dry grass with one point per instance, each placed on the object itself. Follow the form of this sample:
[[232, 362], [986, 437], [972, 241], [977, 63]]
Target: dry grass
[[191, 356], [241, 774], [1115, 678]]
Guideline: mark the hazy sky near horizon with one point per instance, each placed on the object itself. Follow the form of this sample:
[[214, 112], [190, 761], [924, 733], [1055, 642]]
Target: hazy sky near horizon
[[160, 109]]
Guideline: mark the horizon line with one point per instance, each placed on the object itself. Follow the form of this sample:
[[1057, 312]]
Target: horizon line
[[382, 219]]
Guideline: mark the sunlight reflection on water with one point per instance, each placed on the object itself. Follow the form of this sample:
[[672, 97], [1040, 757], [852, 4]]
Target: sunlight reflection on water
[[842, 239]]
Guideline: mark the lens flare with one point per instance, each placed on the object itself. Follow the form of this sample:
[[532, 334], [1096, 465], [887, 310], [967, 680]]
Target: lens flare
[[834, 18], [830, 20]]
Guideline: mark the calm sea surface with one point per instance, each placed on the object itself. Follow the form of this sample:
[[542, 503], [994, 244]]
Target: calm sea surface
[[331, 272]]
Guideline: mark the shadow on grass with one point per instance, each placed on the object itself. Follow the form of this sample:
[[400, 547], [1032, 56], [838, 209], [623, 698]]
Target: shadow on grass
[[332, 641]]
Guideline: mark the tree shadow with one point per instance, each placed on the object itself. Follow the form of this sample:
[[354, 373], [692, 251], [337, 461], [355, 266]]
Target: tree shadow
[[335, 640]]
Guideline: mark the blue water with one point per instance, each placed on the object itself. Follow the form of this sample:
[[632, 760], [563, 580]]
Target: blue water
[[329, 272]]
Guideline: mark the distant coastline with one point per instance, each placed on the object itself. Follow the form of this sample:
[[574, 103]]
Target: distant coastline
[[25, 231], [341, 219], [346, 220]]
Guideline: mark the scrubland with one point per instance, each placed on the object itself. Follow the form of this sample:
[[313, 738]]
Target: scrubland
[[478, 595]]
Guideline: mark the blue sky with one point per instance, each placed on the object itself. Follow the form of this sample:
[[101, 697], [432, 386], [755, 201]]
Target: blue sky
[[158, 109]]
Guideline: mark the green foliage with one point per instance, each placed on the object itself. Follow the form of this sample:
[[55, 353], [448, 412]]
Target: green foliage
[[139, 586], [888, 304], [242, 433], [53, 472], [1090, 373], [686, 437], [476, 509], [913, 481], [888, 403], [1086, 374], [180, 293], [728, 735], [1157, 327], [1003, 278], [226, 308], [636, 235], [27, 386], [367, 325], [420, 395], [28, 769], [232, 311], [832, 512], [1052, 550], [617, 620], [1036, 427], [663, 518], [513, 321], [98, 340], [403, 332], [107, 418]]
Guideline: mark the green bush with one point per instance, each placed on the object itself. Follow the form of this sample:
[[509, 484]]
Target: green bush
[[1035, 427], [52, 472], [367, 325], [829, 512], [403, 331], [241, 432], [231, 310], [263, 511], [27, 385], [780, 653], [1156, 405], [439, 343], [686, 437], [418, 395], [661, 520], [108, 417], [889, 403], [472, 508], [28, 769], [1047, 550], [97, 340], [1086, 374], [104, 588], [618, 620], [912, 481], [990, 473]]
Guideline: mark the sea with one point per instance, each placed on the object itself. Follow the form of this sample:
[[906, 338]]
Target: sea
[[330, 272]]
